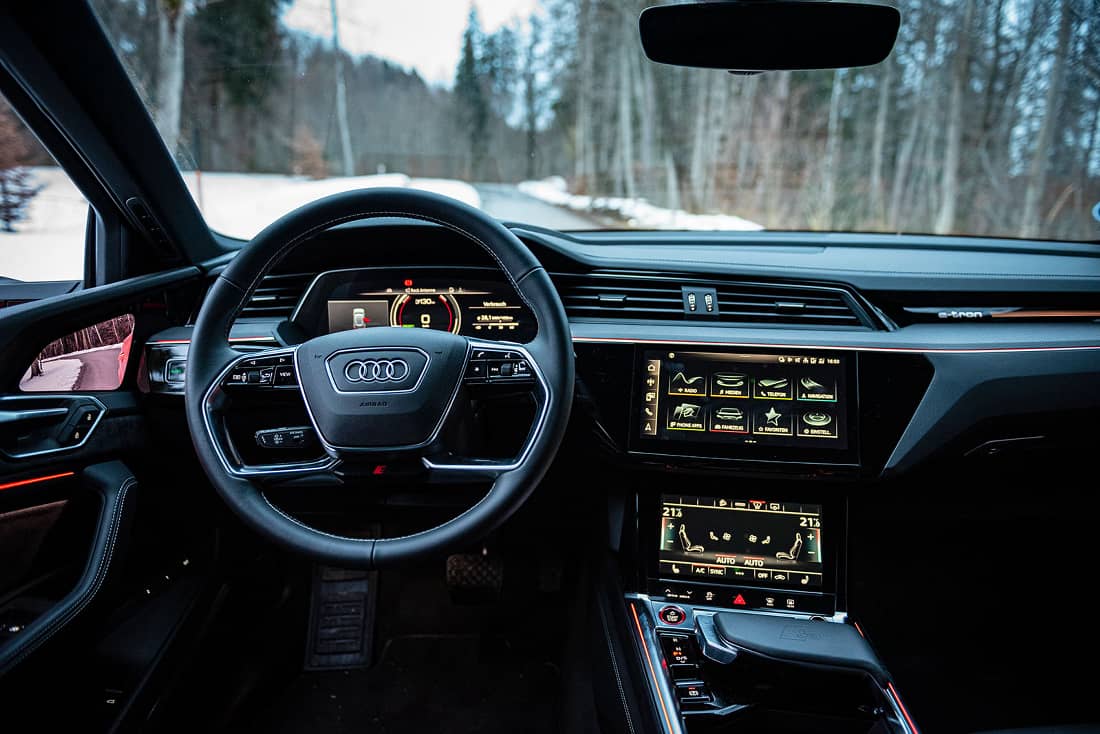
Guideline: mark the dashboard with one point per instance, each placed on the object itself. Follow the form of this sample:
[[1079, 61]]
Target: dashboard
[[762, 375], [473, 302]]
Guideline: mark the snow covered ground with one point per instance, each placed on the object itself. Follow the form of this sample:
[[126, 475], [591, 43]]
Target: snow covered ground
[[58, 375], [241, 204], [49, 243], [636, 212]]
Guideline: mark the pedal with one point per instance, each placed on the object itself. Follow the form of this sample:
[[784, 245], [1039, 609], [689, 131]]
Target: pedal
[[341, 619], [475, 577]]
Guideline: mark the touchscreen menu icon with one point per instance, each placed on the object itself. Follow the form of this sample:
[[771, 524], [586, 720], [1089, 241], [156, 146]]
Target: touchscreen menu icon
[[684, 382], [774, 388], [817, 424], [773, 421], [650, 397], [817, 388], [729, 385], [686, 417], [729, 419]]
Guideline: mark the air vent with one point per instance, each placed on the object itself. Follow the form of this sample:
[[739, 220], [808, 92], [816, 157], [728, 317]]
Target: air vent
[[277, 295], [617, 295]]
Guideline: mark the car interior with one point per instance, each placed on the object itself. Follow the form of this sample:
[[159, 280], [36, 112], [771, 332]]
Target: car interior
[[622, 481]]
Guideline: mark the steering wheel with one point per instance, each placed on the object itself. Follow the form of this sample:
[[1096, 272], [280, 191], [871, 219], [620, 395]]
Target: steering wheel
[[380, 394]]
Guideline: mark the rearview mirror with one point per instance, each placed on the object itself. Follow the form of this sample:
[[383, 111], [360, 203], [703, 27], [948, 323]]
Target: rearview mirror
[[770, 35]]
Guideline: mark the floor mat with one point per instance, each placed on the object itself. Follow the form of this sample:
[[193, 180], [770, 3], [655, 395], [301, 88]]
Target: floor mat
[[423, 684]]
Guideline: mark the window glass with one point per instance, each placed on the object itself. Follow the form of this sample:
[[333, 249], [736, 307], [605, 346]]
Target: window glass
[[985, 119], [42, 214]]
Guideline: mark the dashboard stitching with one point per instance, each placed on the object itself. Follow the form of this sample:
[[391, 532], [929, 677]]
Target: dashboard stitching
[[367, 215]]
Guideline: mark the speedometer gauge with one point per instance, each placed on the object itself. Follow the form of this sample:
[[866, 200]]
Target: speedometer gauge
[[437, 311]]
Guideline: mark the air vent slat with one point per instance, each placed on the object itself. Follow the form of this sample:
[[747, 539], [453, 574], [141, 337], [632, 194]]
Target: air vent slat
[[659, 297], [277, 295]]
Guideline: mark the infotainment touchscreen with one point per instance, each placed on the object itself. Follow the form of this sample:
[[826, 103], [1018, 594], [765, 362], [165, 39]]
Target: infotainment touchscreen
[[744, 542], [790, 401]]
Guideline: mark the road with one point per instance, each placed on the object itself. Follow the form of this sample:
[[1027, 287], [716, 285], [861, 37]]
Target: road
[[509, 204], [99, 370]]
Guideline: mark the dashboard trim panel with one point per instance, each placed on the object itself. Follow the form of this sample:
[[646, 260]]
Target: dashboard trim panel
[[847, 348]]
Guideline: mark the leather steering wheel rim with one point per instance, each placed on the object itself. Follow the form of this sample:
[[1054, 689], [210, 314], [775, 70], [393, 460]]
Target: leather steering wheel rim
[[210, 353]]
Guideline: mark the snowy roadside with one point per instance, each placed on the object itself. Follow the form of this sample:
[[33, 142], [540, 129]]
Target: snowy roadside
[[637, 212], [241, 204], [58, 375], [49, 243]]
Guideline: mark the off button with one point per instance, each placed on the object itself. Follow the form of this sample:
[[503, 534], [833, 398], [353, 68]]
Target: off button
[[672, 615]]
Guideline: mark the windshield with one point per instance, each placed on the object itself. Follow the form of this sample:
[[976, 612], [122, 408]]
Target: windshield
[[984, 120]]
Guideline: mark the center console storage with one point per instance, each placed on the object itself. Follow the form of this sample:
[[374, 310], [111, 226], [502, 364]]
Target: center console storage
[[749, 672]]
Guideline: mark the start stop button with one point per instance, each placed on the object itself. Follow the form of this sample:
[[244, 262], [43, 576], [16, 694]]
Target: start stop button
[[672, 615]]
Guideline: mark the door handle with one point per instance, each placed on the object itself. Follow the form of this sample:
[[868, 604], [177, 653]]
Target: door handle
[[34, 415]]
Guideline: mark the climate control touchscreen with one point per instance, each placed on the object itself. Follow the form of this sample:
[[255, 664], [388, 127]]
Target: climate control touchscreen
[[770, 400], [745, 542]]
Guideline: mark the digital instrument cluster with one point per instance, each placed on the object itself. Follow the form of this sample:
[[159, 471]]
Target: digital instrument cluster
[[467, 301]]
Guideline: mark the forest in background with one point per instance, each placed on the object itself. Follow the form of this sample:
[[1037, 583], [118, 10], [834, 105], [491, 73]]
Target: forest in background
[[983, 121]]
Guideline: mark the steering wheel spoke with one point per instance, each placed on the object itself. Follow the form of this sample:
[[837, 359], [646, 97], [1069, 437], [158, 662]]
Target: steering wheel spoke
[[256, 376], [495, 367]]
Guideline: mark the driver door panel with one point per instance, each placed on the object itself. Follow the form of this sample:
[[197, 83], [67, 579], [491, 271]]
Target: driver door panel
[[67, 492]]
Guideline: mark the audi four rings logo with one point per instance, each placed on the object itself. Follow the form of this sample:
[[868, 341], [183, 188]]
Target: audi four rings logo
[[376, 370]]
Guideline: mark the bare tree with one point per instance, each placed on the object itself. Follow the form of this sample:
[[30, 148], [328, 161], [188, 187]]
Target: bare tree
[[952, 156], [171, 18], [1037, 174], [832, 152], [341, 96]]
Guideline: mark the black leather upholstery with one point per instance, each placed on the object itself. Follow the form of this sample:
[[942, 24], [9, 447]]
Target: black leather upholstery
[[210, 353], [113, 484]]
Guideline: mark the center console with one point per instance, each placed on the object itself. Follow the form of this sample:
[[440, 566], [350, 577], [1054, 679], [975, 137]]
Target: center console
[[739, 607], [741, 458]]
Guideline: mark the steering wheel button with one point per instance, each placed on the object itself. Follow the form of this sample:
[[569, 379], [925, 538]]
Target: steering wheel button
[[284, 375], [476, 370]]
